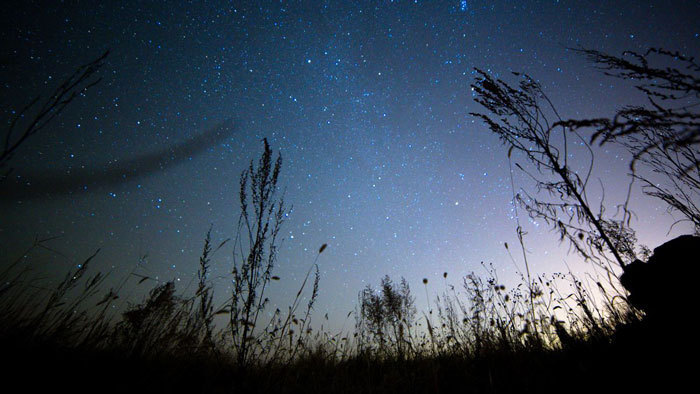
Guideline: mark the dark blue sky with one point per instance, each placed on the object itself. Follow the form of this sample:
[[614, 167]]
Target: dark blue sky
[[367, 101]]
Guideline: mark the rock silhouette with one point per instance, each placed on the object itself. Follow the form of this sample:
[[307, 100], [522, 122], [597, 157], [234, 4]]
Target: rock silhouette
[[662, 286]]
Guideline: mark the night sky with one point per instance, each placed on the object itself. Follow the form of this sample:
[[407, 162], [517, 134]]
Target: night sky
[[368, 103]]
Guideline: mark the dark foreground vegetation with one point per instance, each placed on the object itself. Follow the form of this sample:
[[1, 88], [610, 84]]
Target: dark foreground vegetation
[[630, 330], [482, 344]]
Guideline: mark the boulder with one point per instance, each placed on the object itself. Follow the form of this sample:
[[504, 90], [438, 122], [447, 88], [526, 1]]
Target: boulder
[[662, 286]]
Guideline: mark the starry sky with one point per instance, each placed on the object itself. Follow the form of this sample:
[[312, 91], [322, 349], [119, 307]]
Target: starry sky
[[368, 103]]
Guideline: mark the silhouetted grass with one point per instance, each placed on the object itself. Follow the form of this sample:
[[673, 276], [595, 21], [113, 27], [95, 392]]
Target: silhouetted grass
[[480, 338], [547, 333]]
